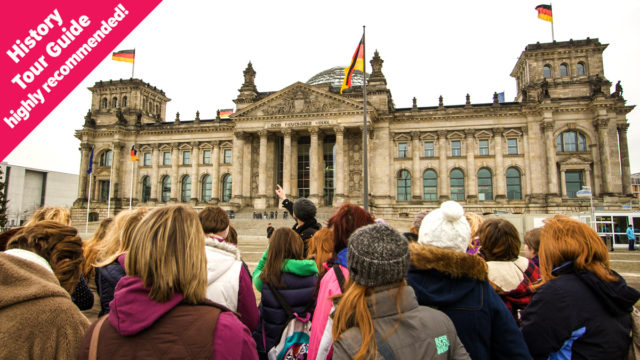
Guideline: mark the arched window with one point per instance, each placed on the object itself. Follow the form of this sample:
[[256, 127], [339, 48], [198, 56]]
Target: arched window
[[430, 185], [106, 158], [146, 189], [124, 101], [226, 188], [157, 109], [404, 185], [571, 141], [166, 189], [580, 69], [485, 185], [456, 179], [104, 103], [564, 69], [514, 186], [185, 193], [206, 188], [546, 71], [114, 102]]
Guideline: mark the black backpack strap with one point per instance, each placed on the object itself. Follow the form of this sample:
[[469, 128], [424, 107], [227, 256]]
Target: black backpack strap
[[287, 308], [339, 276], [383, 348]]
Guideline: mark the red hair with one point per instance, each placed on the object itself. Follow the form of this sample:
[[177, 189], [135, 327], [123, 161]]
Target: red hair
[[345, 221]]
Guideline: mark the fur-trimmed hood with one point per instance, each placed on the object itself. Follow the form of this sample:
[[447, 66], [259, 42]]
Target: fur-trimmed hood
[[221, 257], [452, 263]]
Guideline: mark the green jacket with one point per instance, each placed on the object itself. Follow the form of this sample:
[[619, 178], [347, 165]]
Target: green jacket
[[297, 267]]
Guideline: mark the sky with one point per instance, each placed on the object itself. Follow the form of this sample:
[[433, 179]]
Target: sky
[[196, 51]]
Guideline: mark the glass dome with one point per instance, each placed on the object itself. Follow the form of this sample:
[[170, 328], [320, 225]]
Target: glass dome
[[334, 77]]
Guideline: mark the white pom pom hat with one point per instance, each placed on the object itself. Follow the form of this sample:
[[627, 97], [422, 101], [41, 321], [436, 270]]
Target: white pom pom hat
[[446, 228]]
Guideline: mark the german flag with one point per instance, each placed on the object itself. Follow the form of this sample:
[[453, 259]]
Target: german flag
[[357, 63], [134, 153], [124, 55], [225, 113], [544, 12]]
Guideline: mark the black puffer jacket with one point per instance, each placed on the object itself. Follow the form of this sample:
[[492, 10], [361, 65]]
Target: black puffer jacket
[[579, 316]]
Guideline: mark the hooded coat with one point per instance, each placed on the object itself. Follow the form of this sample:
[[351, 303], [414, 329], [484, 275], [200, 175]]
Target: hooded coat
[[134, 315], [37, 318], [513, 281], [229, 283], [579, 316], [107, 278], [457, 284]]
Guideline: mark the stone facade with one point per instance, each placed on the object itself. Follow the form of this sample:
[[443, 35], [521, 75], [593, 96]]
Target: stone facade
[[527, 156]]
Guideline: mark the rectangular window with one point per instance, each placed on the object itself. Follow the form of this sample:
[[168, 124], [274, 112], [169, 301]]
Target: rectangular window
[[166, 158], [573, 182], [104, 191], [456, 149], [483, 147], [186, 157], [512, 146], [146, 159], [428, 149], [403, 150], [227, 156], [206, 157]]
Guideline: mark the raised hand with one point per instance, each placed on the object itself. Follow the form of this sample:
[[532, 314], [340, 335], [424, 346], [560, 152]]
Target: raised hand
[[280, 192]]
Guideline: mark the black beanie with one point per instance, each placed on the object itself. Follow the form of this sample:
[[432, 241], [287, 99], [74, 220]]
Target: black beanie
[[304, 209]]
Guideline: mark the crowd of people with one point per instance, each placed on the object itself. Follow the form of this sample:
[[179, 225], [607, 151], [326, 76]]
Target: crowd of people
[[172, 283]]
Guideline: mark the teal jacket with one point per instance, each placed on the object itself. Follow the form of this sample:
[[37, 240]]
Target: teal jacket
[[630, 234]]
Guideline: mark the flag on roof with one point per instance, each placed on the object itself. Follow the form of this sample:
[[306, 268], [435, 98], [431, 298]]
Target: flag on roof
[[134, 153], [225, 113], [357, 63], [124, 55], [90, 169], [544, 12], [501, 97]]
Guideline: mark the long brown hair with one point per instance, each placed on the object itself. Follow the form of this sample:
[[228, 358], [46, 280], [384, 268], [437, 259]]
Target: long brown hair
[[320, 247], [345, 221], [499, 240], [90, 248], [59, 244], [564, 239], [352, 311], [118, 238], [167, 253], [284, 244]]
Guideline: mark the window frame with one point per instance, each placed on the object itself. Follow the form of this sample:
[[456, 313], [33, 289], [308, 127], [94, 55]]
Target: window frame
[[485, 184], [547, 71], [580, 181], [483, 150], [510, 147], [511, 193], [145, 193], [458, 147], [146, 159], [403, 182], [428, 151], [430, 186], [185, 189], [206, 157], [227, 187], [403, 150], [165, 189], [459, 193], [206, 188], [584, 69], [186, 157], [227, 159], [564, 70], [166, 158]]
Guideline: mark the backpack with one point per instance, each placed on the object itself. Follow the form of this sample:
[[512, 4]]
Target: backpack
[[294, 341]]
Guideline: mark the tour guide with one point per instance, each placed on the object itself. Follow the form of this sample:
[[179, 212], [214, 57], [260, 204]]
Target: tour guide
[[304, 212]]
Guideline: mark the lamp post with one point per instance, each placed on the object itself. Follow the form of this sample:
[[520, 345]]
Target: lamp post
[[586, 193]]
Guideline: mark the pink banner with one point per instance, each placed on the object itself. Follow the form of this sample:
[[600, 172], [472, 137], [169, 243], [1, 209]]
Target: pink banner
[[48, 48]]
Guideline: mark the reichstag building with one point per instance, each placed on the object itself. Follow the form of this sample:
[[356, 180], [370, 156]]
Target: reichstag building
[[567, 128]]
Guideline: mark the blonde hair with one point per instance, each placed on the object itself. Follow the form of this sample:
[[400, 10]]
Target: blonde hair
[[167, 253], [118, 238], [90, 248], [60, 215], [565, 239], [474, 220]]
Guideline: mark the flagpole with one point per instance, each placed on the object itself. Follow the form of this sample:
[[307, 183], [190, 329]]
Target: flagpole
[[110, 184], [553, 38], [365, 149], [86, 224], [131, 190], [133, 64]]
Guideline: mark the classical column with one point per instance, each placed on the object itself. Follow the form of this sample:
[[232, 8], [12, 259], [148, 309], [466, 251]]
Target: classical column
[[215, 172], [313, 167], [174, 171], [443, 183], [472, 188], [527, 163], [286, 162], [155, 182], [195, 169], [294, 167], [563, 180], [501, 186], [237, 168], [601, 124], [339, 166], [550, 149], [247, 172], [260, 201], [597, 188], [117, 151], [624, 158], [416, 179], [85, 150]]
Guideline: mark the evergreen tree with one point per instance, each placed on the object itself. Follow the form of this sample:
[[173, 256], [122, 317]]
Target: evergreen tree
[[3, 202]]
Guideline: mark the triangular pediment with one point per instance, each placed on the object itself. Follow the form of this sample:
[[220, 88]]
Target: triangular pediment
[[299, 98], [575, 160]]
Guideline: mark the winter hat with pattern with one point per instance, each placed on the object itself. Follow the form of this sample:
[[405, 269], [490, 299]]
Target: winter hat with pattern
[[377, 255], [446, 228]]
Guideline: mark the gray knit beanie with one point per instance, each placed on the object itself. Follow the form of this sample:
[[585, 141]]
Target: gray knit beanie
[[304, 209], [377, 255]]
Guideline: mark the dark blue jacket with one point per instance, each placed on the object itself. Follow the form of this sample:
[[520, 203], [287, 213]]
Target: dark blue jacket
[[579, 316], [298, 293], [456, 284], [82, 295], [106, 280]]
